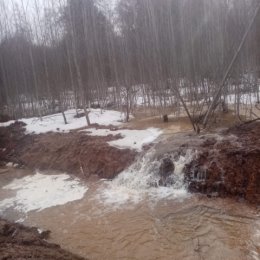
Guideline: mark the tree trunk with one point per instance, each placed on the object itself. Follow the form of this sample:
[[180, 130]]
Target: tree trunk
[[236, 55], [184, 105]]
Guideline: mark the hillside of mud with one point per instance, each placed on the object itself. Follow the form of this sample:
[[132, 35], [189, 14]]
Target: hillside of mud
[[228, 164], [20, 242], [223, 163], [73, 152]]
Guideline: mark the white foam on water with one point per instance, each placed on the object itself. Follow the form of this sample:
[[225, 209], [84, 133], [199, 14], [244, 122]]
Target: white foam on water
[[41, 191], [141, 181]]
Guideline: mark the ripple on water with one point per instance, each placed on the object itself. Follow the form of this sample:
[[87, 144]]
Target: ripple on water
[[102, 225]]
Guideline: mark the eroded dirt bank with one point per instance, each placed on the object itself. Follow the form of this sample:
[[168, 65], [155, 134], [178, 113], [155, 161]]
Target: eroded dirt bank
[[73, 152], [20, 242], [228, 164], [222, 163], [225, 164]]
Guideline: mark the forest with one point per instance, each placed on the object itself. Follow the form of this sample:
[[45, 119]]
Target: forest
[[130, 129], [172, 55]]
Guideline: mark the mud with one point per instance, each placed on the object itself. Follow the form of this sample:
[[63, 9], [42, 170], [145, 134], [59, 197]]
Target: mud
[[228, 164], [74, 152], [4, 118], [20, 242], [13, 141]]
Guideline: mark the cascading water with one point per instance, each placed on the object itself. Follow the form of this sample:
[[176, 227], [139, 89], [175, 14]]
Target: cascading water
[[133, 217], [142, 180]]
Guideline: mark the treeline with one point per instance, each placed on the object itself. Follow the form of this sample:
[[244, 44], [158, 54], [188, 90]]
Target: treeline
[[79, 52]]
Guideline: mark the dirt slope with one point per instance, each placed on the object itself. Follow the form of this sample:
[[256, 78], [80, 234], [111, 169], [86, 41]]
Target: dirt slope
[[20, 242], [73, 152], [230, 166]]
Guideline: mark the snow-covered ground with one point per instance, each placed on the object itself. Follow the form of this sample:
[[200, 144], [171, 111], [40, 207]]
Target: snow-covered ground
[[243, 99], [132, 139], [40, 191], [55, 123]]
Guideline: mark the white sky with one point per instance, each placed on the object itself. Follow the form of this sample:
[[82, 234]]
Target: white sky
[[27, 8]]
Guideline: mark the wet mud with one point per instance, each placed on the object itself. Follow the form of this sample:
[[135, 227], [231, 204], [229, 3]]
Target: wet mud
[[20, 242], [74, 152], [228, 164], [225, 164]]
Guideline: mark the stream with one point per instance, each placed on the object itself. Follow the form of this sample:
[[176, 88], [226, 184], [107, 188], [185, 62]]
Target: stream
[[131, 217]]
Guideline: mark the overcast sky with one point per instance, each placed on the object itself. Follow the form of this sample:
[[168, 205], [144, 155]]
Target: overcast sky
[[28, 7]]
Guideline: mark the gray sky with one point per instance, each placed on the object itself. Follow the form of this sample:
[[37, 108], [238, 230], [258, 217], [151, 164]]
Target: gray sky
[[27, 8]]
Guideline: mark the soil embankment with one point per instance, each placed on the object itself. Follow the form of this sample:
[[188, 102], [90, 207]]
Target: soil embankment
[[20, 242], [73, 152], [228, 164], [225, 164]]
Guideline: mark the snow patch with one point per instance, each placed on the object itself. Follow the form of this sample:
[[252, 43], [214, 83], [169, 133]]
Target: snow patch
[[40, 191], [132, 139], [249, 98], [11, 165], [5, 124], [55, 123]]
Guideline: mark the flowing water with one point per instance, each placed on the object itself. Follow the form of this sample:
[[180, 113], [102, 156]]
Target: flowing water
[[132, 218]]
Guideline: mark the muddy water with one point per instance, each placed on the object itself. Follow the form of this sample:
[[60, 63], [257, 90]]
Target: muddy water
[[123, 219], [193, 228]]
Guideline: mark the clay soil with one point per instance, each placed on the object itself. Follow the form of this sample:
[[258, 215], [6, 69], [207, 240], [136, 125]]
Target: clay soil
[[226, 167], [20, 242], [74, 152], [229, 166]]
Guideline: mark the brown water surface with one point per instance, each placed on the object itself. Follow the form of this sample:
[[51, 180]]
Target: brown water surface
[[193, 227]]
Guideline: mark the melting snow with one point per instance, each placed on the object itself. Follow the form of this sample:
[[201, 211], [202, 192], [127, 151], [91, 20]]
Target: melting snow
[[5, 124], [40, 191], [133, 139], [243, 98], [55, 123]]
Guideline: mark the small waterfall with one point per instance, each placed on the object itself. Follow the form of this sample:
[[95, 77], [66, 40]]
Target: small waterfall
[[142, 180]]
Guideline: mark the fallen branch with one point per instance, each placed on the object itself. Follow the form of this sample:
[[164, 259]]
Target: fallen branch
[[250, 121]]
